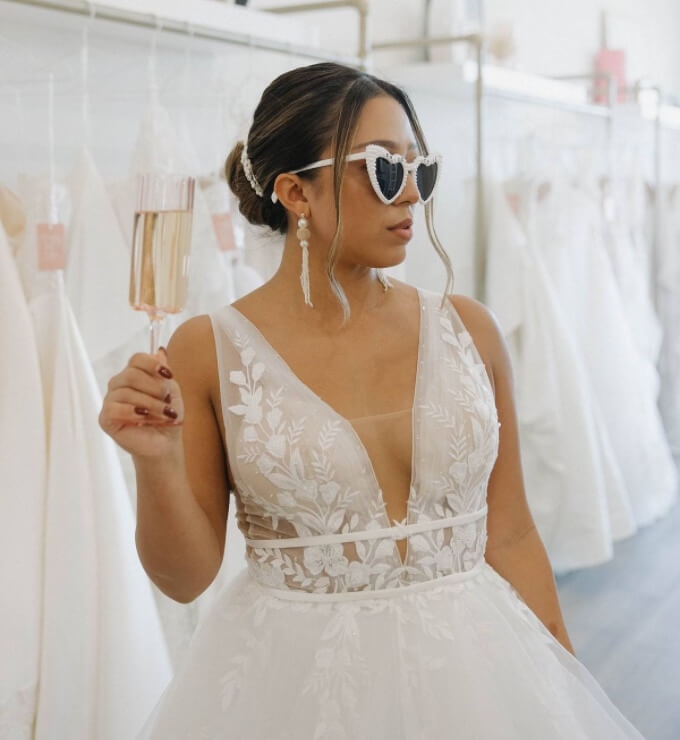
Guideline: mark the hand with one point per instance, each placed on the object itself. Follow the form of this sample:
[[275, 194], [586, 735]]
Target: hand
[[143, 409]]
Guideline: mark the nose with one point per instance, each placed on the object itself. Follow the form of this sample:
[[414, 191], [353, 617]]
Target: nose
[[410, 192]]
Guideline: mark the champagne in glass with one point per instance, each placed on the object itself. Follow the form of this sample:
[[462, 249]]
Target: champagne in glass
[[160, 247]]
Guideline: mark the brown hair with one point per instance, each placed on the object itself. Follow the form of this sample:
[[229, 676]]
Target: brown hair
[[299, 114]]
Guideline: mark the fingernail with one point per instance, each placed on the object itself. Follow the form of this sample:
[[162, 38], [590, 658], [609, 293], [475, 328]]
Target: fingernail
[[170, 412], [164, 371], [167, 398], [141, 411]]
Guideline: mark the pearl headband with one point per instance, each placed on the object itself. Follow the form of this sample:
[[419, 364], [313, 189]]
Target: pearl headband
[[248, 170]]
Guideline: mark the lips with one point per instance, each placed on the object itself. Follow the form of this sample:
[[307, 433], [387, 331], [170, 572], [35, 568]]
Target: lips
[[406, 224], [403, 230]]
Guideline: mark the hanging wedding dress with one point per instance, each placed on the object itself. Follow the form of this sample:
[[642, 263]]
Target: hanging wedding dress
[[668, 297], [629, 253], [159, 148], [22, 495], [331, 633], [98, 268], [623, 381], [569, 486], [103, 660]]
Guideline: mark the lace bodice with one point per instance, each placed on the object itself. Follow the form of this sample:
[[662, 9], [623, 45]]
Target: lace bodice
[[308, 499]]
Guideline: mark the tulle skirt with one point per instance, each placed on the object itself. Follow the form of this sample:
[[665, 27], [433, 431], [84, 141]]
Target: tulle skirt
[[457, 657]]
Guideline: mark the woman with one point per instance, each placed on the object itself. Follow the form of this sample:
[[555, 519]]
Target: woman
[[367, 431]]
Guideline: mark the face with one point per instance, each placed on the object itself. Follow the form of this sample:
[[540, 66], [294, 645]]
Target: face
[[373, 234]]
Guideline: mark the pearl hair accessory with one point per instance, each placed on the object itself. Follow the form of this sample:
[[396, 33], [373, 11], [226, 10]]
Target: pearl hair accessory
[[303, 233], [248, 171]]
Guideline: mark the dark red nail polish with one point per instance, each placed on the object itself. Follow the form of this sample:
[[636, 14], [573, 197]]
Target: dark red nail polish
[[170, 413], [141, 411], [167, 398], [165, 372]]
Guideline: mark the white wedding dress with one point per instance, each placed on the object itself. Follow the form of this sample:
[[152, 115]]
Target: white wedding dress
[[329, 633], [575, 490], [22, 505], [668, 297], [103, 661]]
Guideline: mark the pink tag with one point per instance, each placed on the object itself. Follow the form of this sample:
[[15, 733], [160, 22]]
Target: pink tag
[[224, 231], [611, 62], [51, 246], [513, 202]]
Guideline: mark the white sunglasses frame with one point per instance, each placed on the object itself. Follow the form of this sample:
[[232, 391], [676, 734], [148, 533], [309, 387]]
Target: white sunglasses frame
[[371, 154]]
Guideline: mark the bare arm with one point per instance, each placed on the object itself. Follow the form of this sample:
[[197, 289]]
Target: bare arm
[[514, 548], [182, 489]]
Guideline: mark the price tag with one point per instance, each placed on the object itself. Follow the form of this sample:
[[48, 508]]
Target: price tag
[[224, 231], [514, 202], [51, 246]]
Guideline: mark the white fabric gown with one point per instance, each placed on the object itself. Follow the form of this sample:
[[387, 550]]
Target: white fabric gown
[[22, 505], [98, 267], [668, 296], [624, 380], [103, 659], [159, 148], [330, 634], [570, 488], [629, 254]]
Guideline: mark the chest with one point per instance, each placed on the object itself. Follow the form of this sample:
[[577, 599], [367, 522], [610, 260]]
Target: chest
[[361, 373]]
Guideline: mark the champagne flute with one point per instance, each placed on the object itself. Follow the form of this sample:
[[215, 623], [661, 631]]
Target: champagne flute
[[161, 241]]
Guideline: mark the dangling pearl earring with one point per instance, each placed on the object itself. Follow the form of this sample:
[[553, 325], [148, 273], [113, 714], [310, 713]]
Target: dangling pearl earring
[[384, 280], [303, 234]]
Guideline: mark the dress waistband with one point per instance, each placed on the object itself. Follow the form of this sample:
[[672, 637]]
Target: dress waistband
[[293, 594], [399, 531]]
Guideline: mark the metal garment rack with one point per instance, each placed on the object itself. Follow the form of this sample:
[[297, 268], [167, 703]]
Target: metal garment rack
[[132, 14]]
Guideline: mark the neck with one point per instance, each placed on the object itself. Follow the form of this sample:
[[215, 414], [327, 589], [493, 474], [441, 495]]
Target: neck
[[359, 283]]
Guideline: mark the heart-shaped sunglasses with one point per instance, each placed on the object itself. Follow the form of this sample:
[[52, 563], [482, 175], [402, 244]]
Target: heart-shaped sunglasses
[[388, 172]]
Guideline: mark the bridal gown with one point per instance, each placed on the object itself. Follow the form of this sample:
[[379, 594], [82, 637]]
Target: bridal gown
[[160, 148], [668, 297], [330, 633], [103, 660], [98, 270], [22, 504], [577, 500], [625, 381]]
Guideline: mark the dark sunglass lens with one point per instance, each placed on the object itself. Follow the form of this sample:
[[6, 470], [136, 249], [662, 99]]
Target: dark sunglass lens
[[426, 179], [389, 176]]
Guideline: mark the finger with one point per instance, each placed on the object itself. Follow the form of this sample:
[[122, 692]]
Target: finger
[[136, 379], [115, 414], [154, 365], [150, 405]]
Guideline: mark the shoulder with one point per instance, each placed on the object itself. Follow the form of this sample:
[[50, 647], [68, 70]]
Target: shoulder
[[191, 350], [487, 335], [194, 334], [479, 320]]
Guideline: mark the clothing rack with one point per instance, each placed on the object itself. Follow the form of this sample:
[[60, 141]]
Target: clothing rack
[[204, 19], [243, 26]]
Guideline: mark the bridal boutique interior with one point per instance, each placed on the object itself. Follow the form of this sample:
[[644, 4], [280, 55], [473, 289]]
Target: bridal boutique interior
[[559, 204]]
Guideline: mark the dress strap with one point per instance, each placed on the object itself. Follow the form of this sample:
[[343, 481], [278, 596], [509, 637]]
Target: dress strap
[[399, 531]]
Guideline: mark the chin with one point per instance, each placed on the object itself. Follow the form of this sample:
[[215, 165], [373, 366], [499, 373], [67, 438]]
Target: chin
[[391, 258]]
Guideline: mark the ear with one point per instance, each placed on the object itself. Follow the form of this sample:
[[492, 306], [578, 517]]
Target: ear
[[291, 192]]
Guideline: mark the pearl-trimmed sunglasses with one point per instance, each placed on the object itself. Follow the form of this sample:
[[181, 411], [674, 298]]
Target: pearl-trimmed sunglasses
[[388, 172]]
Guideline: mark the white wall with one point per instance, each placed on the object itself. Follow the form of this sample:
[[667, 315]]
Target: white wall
[[558, 37], [215, 91], [554, 36]]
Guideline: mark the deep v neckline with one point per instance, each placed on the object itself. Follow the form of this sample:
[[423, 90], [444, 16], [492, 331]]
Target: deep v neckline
[[346, 423]]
